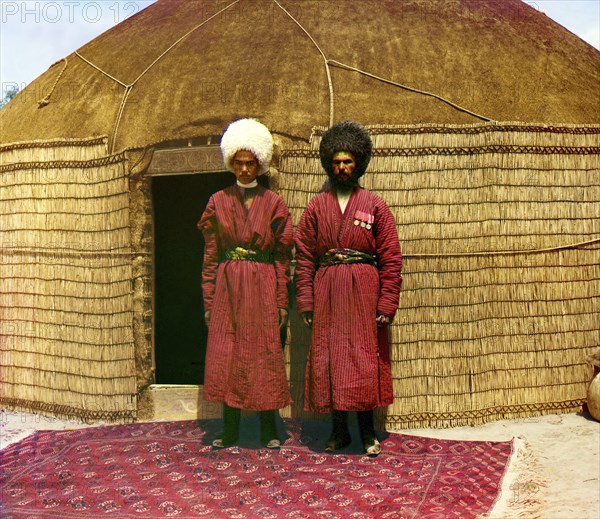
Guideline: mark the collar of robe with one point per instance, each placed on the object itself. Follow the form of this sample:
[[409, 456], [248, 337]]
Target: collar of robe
[[250, 185]]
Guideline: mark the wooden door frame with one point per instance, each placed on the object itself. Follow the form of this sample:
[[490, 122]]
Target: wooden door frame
[[169, 401]]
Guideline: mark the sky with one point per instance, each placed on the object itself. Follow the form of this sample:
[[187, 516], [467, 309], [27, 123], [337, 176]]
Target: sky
[[36, 34]]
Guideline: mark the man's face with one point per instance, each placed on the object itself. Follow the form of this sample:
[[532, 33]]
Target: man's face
[[343, 166], [245, 167]]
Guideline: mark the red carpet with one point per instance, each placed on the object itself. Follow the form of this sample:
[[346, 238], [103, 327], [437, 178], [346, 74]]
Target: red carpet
[[168, 469]]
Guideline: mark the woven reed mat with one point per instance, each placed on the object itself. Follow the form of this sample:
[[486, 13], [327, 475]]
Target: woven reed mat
[[168, 469]]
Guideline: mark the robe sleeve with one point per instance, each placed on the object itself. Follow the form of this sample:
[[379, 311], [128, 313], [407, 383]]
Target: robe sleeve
[[281, 226], [389, 261], [208, 225], [306, 259]]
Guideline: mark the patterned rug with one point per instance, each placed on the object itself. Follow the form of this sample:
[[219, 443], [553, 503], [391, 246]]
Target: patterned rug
[[168, 469]]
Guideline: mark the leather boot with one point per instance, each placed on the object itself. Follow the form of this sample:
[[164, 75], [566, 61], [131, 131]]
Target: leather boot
[[340, 436], [367, 433], [231, 427], [268, 430]]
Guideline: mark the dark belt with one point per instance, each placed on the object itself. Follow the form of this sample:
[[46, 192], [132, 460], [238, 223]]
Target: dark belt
[[345, 256], [241, 254]]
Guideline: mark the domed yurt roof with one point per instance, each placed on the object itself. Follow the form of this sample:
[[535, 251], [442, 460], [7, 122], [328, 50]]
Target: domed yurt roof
[[182, 69]]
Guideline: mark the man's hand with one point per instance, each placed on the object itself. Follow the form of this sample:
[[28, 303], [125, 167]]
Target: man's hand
[[307, 317], [382, 320], [207, 317], [283, 315]]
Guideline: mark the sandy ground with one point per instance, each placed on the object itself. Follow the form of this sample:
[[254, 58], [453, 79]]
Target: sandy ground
[[566, 447], [563, 451]]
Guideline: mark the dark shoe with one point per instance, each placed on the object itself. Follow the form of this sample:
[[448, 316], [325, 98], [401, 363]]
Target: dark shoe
[[337, 442]]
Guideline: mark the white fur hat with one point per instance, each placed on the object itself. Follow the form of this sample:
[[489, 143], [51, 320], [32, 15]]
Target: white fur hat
[[249, 135]]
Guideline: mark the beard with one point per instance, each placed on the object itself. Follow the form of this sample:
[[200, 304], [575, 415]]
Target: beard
[[344, 185]]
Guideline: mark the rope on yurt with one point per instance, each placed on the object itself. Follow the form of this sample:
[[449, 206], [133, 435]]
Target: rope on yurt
[[46, 100], [327, 61], [177, 42], [100, 70], [119, 115], [129, 87], [411, 89], [72, 253], [172, 46], [503, 252]]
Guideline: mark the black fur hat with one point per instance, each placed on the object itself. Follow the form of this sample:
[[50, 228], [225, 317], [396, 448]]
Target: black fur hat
[[346, 136]]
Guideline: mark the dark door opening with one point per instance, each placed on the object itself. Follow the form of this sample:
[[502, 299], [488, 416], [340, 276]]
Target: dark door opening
[[180, 332]]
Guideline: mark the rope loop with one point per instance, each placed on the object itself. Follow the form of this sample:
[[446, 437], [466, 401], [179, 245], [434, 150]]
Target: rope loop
[[46, 100]]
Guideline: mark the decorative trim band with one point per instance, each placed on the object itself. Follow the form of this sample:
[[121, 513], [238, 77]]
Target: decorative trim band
[[471, 150], [592, 129], [65, 164], [69, 412], [92, 141], [514, 410]]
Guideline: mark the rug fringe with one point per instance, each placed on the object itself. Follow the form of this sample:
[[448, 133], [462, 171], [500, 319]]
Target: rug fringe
[[520, 495]]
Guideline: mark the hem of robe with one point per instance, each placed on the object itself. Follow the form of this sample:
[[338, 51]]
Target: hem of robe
[[244, 407], [348, 408]]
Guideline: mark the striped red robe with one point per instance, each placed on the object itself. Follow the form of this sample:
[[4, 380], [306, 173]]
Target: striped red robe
[[244, 358], [348, 365]]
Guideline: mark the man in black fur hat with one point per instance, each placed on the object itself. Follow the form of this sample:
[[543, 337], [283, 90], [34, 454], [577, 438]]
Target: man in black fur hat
[[348, 277]]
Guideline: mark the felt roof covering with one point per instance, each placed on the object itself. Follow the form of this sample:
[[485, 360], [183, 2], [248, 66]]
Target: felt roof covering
[[182, 69]]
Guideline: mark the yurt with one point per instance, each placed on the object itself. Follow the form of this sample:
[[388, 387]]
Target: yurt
[[485, 118]]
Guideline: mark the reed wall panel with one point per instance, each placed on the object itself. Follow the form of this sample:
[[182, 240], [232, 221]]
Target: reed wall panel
[[500, 231], [499, 225], [66, 279]]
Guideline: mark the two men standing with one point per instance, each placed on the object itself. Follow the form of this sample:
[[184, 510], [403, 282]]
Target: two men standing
[[347, 280]]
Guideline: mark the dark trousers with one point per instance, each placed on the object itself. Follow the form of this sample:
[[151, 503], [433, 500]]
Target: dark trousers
[[366, 424], [231, 425]]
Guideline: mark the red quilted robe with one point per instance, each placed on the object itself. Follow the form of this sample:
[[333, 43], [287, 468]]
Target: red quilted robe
[[349, 362], [244, 358]]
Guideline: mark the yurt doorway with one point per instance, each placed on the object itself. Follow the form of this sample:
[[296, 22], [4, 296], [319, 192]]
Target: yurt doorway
[[179, 329]]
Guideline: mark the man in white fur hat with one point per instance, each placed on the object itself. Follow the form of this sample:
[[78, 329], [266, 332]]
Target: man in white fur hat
[[248, 234]]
